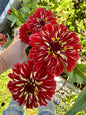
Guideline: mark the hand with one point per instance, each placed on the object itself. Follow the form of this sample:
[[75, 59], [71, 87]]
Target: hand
[[15, 53], [17, 49]]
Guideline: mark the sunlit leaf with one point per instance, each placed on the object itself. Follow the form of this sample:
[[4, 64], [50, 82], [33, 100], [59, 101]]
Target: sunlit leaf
[[80, 103]]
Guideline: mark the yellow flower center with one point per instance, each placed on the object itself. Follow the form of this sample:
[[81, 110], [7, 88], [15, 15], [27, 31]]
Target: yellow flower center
[[53, 39], [48, 52], [45, 19], [0, 41], [56, 45], [36, 91], [0, 38], [58, 38], [65, 48], [54, 55]]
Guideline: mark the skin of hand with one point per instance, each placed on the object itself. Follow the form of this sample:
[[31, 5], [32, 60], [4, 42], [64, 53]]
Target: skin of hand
[[14, 53]]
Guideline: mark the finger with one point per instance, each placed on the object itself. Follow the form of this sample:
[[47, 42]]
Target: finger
[[16, 32], [16, 38]]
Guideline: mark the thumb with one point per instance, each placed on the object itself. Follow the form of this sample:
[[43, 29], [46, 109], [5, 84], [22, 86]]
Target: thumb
[[16, 32]]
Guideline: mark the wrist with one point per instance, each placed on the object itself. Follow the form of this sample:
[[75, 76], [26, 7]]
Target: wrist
[[3, 66], [5, 62]]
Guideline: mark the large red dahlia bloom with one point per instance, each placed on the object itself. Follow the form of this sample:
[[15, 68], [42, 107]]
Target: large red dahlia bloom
[[24, 33], [3, 39], [30, 87], [39, 18], [55, 48]]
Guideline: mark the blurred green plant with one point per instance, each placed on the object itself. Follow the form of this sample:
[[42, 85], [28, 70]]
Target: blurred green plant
[[5, 95], [9, 40], [80, 103]]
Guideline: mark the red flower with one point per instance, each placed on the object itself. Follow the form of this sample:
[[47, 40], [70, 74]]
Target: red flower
[[3, 39], [24, 33], [40, 18], [55, 48], [30, 87], [9, 11]]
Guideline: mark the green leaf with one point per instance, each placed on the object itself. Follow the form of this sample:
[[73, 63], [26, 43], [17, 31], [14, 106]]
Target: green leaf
[[82, 67], [80, 103], [13, 22], [14, 11], [72, 77], [9, 40], [26, 9], [11, 17], [77, 75]]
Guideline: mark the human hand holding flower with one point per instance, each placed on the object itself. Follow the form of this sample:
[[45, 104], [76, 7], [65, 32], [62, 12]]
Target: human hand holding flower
[[13, 54]]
